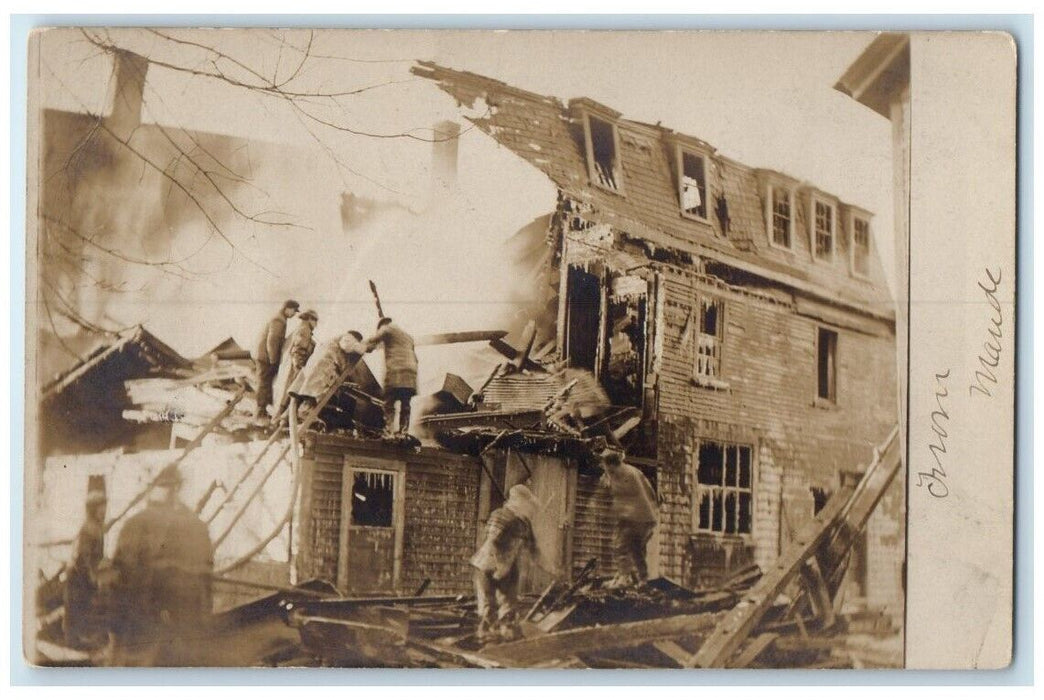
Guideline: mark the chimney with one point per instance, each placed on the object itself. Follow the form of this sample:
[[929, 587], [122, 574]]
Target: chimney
[[127, 88], [444, 155]]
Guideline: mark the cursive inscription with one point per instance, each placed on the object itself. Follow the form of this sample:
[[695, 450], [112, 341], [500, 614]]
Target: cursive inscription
[[986, 377], [935, 480]]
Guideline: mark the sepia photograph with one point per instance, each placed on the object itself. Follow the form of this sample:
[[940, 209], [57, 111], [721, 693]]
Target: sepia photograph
[[502, 350]]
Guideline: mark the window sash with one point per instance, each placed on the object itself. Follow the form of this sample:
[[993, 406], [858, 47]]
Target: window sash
[[861, 246], [708, 342], [781, 217], [723, 507], [824, 230]]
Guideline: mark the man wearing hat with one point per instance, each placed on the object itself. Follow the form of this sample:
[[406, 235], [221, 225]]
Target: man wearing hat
[[509, 537], [163, 565], [634, 508], [302, 345], [268, 354], [400, 372], [81, 586]]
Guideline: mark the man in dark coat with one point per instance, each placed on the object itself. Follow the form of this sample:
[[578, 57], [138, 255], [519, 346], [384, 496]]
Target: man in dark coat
[[81, 624], [163, 566], [268, 354], [400, 372]]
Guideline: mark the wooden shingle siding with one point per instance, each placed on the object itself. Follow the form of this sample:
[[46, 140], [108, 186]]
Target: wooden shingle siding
[[440, 528], [593, 526]]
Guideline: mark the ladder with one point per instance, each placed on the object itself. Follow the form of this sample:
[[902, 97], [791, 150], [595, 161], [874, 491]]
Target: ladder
[[818, 556]]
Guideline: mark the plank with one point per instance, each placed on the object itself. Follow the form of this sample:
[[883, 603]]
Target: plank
[[754, 650], [533, 650]]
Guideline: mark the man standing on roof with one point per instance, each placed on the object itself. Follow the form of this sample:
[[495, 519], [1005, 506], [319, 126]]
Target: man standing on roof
[[634, 508], [400, 372], [509, 537], [163, 565], [269, 352], [302, 345], [327, 367]]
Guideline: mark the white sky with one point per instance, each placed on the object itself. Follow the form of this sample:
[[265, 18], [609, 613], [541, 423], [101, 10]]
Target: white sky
[[765, 99]]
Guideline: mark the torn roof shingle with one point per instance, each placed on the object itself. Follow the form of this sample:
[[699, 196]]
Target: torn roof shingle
[[549, 135], [151, 351]]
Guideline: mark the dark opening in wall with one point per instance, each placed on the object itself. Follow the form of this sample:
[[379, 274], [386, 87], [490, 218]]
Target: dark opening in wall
[[625, 359], [819, 499], [827, 364], [603, 152], [373, 499], [694, 185], [583, 302]]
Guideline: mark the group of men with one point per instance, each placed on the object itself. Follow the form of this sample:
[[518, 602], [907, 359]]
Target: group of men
[[510, 543], [310, 374], [158, 584]]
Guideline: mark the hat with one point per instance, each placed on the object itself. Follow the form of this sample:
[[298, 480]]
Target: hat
[[308, 315], [96, 489], [522, 502], [291, 304], [355, 334], [170, 477], [384, 321]]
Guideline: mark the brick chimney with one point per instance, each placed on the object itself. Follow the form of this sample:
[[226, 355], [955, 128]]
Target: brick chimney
[[444, 155], [126, 88]]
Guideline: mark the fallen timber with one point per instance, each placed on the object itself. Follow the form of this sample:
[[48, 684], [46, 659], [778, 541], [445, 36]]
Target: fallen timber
[[790, 612]]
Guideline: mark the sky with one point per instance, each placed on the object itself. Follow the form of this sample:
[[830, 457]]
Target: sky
[[765, 99]]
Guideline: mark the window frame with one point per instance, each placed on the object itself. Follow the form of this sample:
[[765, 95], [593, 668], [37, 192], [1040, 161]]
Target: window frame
[[770, 215], [592, 175], [814, 200], [698, 332], [680, 150], [853, 216], [699, 488], [820, 400]]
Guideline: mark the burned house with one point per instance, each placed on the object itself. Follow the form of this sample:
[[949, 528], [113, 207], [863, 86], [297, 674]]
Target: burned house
[[738, 319]]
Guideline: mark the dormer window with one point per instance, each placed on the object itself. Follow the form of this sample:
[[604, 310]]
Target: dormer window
[[824, 226], [603, 161], [692, 184], [860, 246], [781, 221]]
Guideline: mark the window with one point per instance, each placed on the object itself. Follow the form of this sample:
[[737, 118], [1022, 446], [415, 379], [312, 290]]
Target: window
[[724, 489], [782, 216], [708, 345], [826, 352], [373, 499], [692, 184], [602, 159], [823, 224], [860, 246]]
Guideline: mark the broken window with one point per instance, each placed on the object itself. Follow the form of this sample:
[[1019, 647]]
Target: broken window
[[601, 152], [583, 306], [860, 246], [373, 499], [827, 364], [823, 224], [724, 488], [708, 345], [624, 367], [693, 185], [781, 216]]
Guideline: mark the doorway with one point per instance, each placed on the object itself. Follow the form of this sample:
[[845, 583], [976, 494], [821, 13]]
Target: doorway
[[371, 530]]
